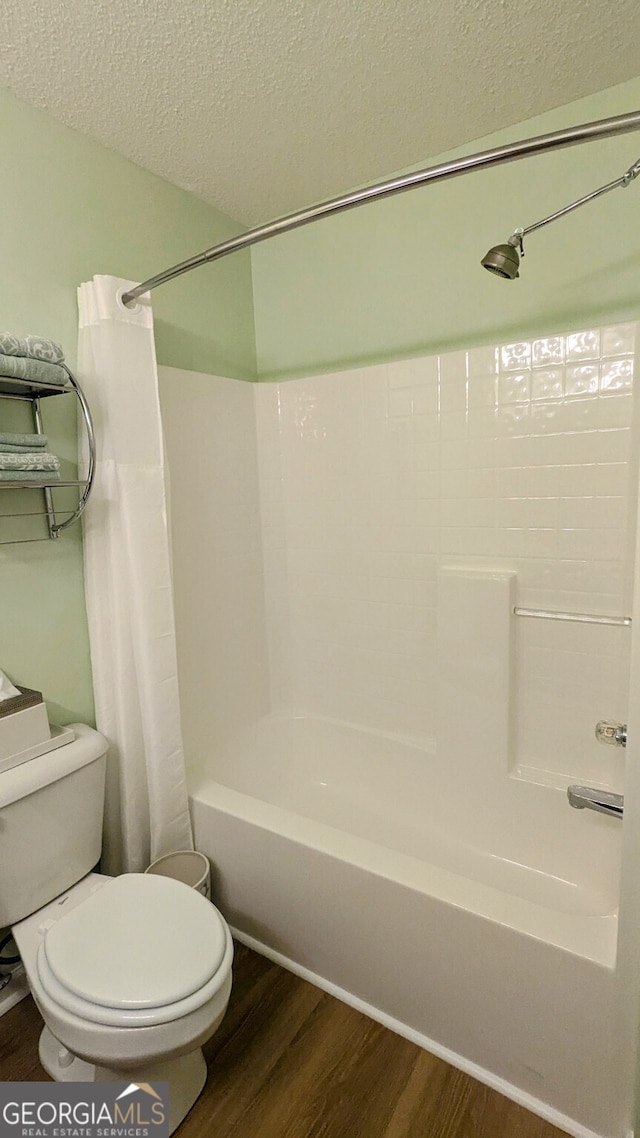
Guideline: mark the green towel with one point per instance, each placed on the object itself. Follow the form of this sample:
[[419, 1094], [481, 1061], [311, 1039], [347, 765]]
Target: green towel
[[35, 371], [29, 475], [9, 448], [36, 460], [22, 442], [35, 347]]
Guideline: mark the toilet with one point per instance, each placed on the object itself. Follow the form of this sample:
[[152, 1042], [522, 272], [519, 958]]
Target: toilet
[[131, 974]]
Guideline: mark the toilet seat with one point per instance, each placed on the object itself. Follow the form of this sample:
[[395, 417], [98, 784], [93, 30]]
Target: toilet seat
[[142, 950]]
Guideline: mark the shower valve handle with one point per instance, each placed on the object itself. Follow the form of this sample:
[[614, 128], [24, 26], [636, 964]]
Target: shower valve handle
[[608, 731]]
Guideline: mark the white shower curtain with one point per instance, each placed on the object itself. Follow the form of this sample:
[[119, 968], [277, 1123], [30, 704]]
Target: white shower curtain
[[128, 583]]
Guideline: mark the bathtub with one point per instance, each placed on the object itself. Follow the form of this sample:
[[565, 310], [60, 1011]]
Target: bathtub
[[481, 924]]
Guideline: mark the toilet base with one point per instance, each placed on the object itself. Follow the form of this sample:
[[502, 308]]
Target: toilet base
[[186, 1075], [61, 1064]]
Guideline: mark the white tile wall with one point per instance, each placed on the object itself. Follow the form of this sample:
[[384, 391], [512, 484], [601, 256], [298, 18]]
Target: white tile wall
[[518, 457], [210, 435]]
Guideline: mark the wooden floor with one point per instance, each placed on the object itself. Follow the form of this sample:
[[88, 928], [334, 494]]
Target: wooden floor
[[289, 1061]]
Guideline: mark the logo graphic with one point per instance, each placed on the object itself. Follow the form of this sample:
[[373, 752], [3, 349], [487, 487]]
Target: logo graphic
[[84, 1110], [146, 1087]]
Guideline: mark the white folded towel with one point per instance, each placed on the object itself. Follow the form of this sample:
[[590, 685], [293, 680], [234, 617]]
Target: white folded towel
[[29, 460]]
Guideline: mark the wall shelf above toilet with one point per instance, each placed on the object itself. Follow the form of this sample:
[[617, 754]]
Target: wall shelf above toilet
[[62, 507]]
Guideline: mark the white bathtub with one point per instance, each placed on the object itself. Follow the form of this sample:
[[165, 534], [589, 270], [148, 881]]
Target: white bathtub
[[481, 924]]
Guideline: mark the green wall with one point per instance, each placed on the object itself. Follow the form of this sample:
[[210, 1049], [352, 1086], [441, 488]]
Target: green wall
[[392, 279], [402, 277], [69, 209]]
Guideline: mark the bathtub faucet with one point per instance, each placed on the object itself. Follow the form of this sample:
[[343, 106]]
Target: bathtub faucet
[[586, 797]]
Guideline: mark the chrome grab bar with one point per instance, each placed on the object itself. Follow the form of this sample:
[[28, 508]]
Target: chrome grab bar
[[603, 801], [578, 617]]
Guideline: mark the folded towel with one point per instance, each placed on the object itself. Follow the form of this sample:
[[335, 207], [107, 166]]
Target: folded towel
[[22, 442], [37, 460], [9, 448], [33, 346], [29, 475], [36, 371]]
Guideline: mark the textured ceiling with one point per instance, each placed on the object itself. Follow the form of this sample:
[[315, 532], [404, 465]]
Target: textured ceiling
[[262, 106]]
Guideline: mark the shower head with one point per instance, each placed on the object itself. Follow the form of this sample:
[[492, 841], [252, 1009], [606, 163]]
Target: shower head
[[504, 260]]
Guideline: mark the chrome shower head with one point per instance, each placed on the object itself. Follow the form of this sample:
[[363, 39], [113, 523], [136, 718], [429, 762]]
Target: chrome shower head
[[504, 260]]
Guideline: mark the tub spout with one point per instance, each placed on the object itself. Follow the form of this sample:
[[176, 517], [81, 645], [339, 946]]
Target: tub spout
[[586, 797]]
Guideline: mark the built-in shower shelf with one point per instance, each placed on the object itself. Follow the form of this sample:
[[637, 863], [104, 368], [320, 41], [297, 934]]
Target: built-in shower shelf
[[58, 515]]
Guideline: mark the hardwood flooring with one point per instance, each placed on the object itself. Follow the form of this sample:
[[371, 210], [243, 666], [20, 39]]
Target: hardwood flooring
[[290, 1061]]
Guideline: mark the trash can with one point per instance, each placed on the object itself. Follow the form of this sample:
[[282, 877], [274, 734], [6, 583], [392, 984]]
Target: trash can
[[185, 865]]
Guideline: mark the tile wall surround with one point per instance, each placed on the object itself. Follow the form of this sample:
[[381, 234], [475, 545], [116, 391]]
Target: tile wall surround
[[518, 457], [210, 435]]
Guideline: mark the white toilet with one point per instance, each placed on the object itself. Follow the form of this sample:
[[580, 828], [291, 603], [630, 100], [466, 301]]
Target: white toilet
[[131, 974]]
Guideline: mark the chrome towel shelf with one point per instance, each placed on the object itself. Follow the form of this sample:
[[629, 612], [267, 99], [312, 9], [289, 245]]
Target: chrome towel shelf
[[577, 617], [59, 518]]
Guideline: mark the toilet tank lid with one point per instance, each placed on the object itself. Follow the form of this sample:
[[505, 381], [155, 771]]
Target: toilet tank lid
[[19, 782], [139, 942]]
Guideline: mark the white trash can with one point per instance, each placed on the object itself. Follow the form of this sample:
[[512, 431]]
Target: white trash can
[[186, 865]]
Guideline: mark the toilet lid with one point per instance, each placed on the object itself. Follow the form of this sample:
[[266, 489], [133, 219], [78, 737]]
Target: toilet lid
[[142, 941]]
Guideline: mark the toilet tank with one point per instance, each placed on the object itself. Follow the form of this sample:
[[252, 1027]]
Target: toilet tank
[[50, 823]]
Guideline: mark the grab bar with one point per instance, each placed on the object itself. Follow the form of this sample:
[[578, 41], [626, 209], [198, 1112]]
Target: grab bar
[[579, 617], [603, 801]]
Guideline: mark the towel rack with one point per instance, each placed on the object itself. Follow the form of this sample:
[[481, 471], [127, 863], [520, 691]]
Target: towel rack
[[33, 393], [578, 617]]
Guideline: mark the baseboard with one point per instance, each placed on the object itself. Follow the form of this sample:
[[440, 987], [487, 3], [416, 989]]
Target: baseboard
[[536, 1106]]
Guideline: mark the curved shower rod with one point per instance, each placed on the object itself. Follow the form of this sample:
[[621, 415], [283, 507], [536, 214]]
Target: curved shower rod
[[570, 136]]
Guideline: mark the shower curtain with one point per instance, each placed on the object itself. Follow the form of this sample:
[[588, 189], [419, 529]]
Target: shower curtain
[[128, 583]]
